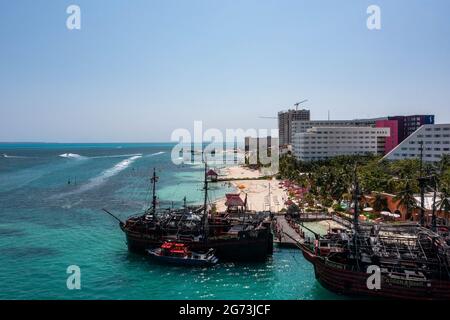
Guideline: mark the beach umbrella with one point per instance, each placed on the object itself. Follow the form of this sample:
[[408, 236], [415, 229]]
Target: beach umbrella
[[241, 186]]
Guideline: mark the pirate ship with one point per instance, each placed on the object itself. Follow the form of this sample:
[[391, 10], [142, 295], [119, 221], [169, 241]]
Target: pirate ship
[[406, 261], [234, 237]]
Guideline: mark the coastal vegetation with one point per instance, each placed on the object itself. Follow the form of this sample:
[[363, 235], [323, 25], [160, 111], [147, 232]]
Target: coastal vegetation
[[329, 182]]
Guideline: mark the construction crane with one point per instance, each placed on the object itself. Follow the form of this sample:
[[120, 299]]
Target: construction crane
[[299, 103], [296, 108]]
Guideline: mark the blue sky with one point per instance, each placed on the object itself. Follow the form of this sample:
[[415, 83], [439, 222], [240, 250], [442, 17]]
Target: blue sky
[[139, 69]]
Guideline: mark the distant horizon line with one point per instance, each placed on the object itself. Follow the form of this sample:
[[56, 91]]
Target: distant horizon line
[[72, 142], [97, 142]]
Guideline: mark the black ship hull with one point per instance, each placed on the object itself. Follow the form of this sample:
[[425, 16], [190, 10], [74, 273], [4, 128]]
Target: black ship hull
[[246, 247]]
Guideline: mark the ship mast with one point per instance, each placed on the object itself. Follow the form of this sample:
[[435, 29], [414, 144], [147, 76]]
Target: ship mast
[[422, 181], [153, 180], [356, 201], [356, 195], [205, 204]]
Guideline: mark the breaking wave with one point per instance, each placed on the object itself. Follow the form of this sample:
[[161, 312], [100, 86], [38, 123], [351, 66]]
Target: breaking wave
[[71, 155]]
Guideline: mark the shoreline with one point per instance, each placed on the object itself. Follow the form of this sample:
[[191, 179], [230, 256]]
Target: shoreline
[[256, 189]]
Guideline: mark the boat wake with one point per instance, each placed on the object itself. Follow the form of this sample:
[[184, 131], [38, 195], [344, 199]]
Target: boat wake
[[102, 177], [12, 157], [155, 154], [117, 156]]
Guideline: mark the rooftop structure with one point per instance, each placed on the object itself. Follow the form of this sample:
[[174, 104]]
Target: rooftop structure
[[234, 203], [299, 126]]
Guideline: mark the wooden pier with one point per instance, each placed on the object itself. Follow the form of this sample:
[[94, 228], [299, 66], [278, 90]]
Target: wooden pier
[[285, 235]]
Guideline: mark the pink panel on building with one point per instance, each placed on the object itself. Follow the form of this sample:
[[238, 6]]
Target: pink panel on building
[[392, 141]]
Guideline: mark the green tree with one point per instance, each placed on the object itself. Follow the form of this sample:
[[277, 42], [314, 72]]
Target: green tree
[[293, 209], [380, 202], [406, 200]]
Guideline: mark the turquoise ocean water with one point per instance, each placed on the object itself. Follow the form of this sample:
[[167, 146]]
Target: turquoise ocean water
[[47, 224]]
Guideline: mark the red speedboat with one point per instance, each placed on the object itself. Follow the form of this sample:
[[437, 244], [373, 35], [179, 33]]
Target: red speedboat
[[179, 253]]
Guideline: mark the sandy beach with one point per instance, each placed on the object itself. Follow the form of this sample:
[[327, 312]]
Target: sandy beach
[[257, 190]]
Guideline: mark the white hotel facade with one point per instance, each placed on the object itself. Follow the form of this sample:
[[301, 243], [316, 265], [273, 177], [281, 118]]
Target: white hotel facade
[[435, 139], [303, 126], [343, 138]]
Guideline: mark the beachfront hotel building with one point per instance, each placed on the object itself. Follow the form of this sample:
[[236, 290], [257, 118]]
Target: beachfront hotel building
[[285, 120], [319, 143], [398, 128], [407, 125], [434, 138], [303, 126]]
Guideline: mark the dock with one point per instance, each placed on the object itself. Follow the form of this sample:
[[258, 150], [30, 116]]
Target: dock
[[285, 235]]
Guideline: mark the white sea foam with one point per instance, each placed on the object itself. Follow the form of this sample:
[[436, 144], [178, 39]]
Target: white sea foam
[[103, 176], [71, 155], [117, 156], [155, 154], [108, 173], [8, 156]]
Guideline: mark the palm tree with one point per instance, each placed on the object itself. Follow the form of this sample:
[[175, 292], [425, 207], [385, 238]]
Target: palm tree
[[380, 202], [443, 204], [406, 200]]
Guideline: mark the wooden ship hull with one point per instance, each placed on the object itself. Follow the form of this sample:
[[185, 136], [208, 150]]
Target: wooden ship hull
[[337, 278], [254, 245]]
